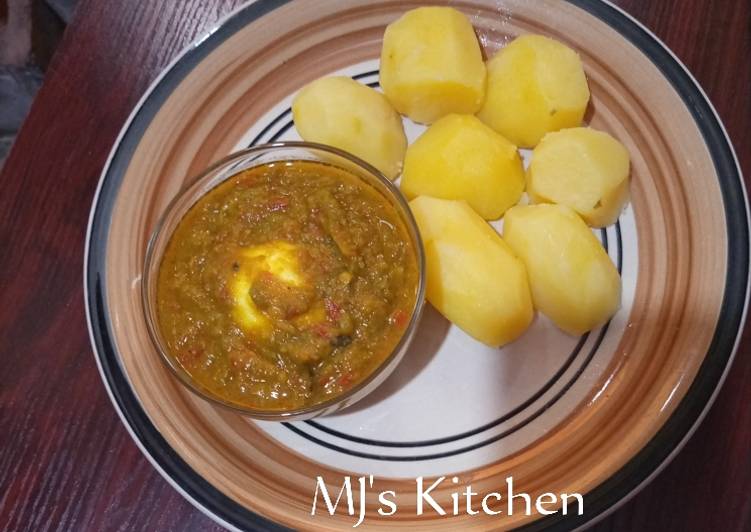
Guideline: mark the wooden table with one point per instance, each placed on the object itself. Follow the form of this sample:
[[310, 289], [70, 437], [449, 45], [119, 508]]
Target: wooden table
[[67, 463]]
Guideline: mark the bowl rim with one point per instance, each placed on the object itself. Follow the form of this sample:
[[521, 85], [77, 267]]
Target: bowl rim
[[395, 197]]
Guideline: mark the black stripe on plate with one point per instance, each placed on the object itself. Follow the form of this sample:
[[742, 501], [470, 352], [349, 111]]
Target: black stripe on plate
[[468, 448], [269, 127], [466, 434], [619, 246], [366, 75]]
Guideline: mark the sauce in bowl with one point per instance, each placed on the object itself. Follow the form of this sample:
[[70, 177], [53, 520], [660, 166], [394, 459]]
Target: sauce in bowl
[[286, 285]]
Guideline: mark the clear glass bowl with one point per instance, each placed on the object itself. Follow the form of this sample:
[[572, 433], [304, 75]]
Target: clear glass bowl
[[223, 170]]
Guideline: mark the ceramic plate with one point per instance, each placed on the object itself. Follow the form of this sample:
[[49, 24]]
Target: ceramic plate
[[597, 415]]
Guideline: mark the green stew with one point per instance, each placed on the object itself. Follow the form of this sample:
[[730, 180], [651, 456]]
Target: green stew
[[286, 285]]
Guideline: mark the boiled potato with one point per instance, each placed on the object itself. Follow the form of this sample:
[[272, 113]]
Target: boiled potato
[[343, 113], [535, 85], [473, 277], [431, 64], [573, 280], [459, 157], [581, 168]]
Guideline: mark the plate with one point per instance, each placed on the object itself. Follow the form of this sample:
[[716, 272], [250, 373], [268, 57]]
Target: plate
[[597, 415]]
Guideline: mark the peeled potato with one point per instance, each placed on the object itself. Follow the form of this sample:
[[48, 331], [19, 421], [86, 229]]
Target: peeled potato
[[581, 168], [473, 277], [431, 64], [572, 278], [343, 113], [459, 157], [535, 85]]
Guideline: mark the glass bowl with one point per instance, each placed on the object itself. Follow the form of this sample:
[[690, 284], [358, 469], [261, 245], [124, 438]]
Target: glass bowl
[[223, 170]]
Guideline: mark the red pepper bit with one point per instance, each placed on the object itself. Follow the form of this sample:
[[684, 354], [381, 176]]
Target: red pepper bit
[[347, 379], [399, 318], [278, 204], [191, 356], [333, 311], [245, 181], [321, 330]]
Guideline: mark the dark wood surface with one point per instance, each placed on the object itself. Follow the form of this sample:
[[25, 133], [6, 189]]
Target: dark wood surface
[[67, 463]]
